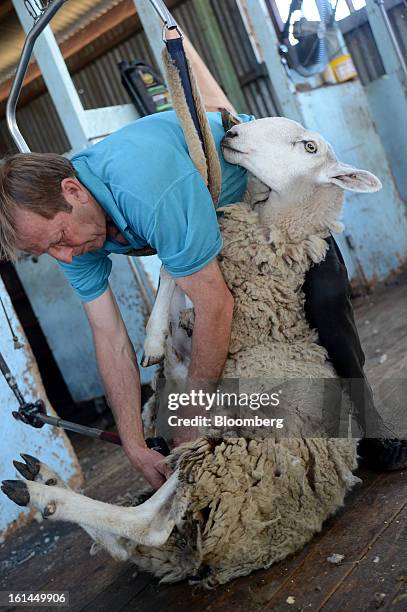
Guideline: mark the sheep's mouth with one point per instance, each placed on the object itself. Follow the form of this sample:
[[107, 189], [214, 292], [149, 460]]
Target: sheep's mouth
[[226, 146]]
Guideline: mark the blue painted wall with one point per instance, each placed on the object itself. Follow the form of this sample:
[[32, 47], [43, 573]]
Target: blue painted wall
[[48, 444], [376, 224]]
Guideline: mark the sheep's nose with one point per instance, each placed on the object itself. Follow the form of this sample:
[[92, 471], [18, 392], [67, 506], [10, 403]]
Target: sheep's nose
[[232, 133]]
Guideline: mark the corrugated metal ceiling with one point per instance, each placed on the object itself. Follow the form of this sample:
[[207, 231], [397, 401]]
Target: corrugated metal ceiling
[[72, 17]]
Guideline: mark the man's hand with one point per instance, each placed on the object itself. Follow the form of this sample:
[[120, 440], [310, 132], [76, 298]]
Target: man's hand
[[150, 464]]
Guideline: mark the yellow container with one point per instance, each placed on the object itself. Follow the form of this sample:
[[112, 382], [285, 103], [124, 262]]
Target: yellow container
[[343, 68]]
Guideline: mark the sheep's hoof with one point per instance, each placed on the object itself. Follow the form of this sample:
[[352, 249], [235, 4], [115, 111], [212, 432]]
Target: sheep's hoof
[[49, 510], [51, 482], [17, 491], [30, 469], [149, 360]]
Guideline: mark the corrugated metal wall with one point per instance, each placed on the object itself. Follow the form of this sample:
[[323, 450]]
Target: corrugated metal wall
[[253, 76], [361, 44], [99, 84]]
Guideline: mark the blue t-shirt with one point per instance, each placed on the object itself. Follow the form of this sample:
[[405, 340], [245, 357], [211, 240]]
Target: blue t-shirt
[[147, 184]]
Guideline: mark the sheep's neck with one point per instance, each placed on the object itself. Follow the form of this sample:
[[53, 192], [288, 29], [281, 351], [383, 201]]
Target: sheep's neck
[[313, 216]]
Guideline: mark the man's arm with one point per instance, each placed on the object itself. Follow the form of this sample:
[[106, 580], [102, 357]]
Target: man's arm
[[213, 305], [118, 367], [212, 94]]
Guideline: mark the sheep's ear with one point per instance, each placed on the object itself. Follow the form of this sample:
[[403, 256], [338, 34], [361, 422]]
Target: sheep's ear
[[229, 119], [353, 179]]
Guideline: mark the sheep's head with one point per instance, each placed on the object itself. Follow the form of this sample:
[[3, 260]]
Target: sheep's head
[[294, 162]]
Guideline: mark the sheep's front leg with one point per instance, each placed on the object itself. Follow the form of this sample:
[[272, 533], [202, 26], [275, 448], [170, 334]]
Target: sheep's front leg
[[158, 324], [149, 524], [35, 470]]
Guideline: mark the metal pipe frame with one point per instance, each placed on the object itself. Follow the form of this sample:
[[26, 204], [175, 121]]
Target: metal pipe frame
[[39, 26], [164, 14], [394, 41]]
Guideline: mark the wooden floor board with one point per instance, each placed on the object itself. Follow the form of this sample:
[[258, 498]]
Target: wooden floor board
[[351, 535], [379, 575], [371, 525]]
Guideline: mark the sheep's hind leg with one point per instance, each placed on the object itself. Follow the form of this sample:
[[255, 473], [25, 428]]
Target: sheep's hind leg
[[39, 472], [150, 523]]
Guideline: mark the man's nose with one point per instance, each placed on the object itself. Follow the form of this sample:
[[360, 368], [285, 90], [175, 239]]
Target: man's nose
[[61, 253]]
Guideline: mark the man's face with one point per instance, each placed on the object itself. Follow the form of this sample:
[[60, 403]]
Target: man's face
[[68, 233]]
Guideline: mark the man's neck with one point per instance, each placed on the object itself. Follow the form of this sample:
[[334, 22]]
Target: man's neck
[[113, 233]]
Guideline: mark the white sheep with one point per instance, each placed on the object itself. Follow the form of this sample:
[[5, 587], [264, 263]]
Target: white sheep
[[235, 504]]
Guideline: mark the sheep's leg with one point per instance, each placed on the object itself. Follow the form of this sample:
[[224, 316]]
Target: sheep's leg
[[158, 324], [36, 471], [149, 524]]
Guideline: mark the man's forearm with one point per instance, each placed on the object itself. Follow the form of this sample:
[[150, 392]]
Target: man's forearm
[[213, 305], [119, 370], [210, 343], [120, 374]]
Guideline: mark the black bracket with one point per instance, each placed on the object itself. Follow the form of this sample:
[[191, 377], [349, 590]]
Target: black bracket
[[28, 414]]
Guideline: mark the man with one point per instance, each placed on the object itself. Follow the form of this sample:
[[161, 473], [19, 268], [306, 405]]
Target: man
[[138, 188]]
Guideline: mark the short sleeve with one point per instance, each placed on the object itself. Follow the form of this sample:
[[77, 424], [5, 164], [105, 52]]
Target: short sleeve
[[88, 274], [185, 230]]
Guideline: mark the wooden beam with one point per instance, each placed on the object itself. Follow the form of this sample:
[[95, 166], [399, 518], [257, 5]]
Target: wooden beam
[[117, 15], [122, 14]]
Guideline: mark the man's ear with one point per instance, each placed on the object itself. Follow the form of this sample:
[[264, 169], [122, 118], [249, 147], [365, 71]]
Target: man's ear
[[70, 186], [229, 119], [353, 179]]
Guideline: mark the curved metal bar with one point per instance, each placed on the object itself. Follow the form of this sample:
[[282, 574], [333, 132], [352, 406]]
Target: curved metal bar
[[165, 14], [32, 36], [394, 41]]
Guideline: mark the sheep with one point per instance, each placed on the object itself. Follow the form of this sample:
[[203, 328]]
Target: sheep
[[237, 502]]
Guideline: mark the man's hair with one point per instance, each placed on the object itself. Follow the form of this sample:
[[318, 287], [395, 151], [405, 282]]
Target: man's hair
[[30, 181]]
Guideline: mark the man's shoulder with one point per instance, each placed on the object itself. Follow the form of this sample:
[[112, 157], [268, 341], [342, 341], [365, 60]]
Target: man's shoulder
[[164, 127], [158, 133], [143, 159]]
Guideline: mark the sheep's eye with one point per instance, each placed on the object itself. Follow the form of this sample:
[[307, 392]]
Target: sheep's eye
[[310, 146]]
